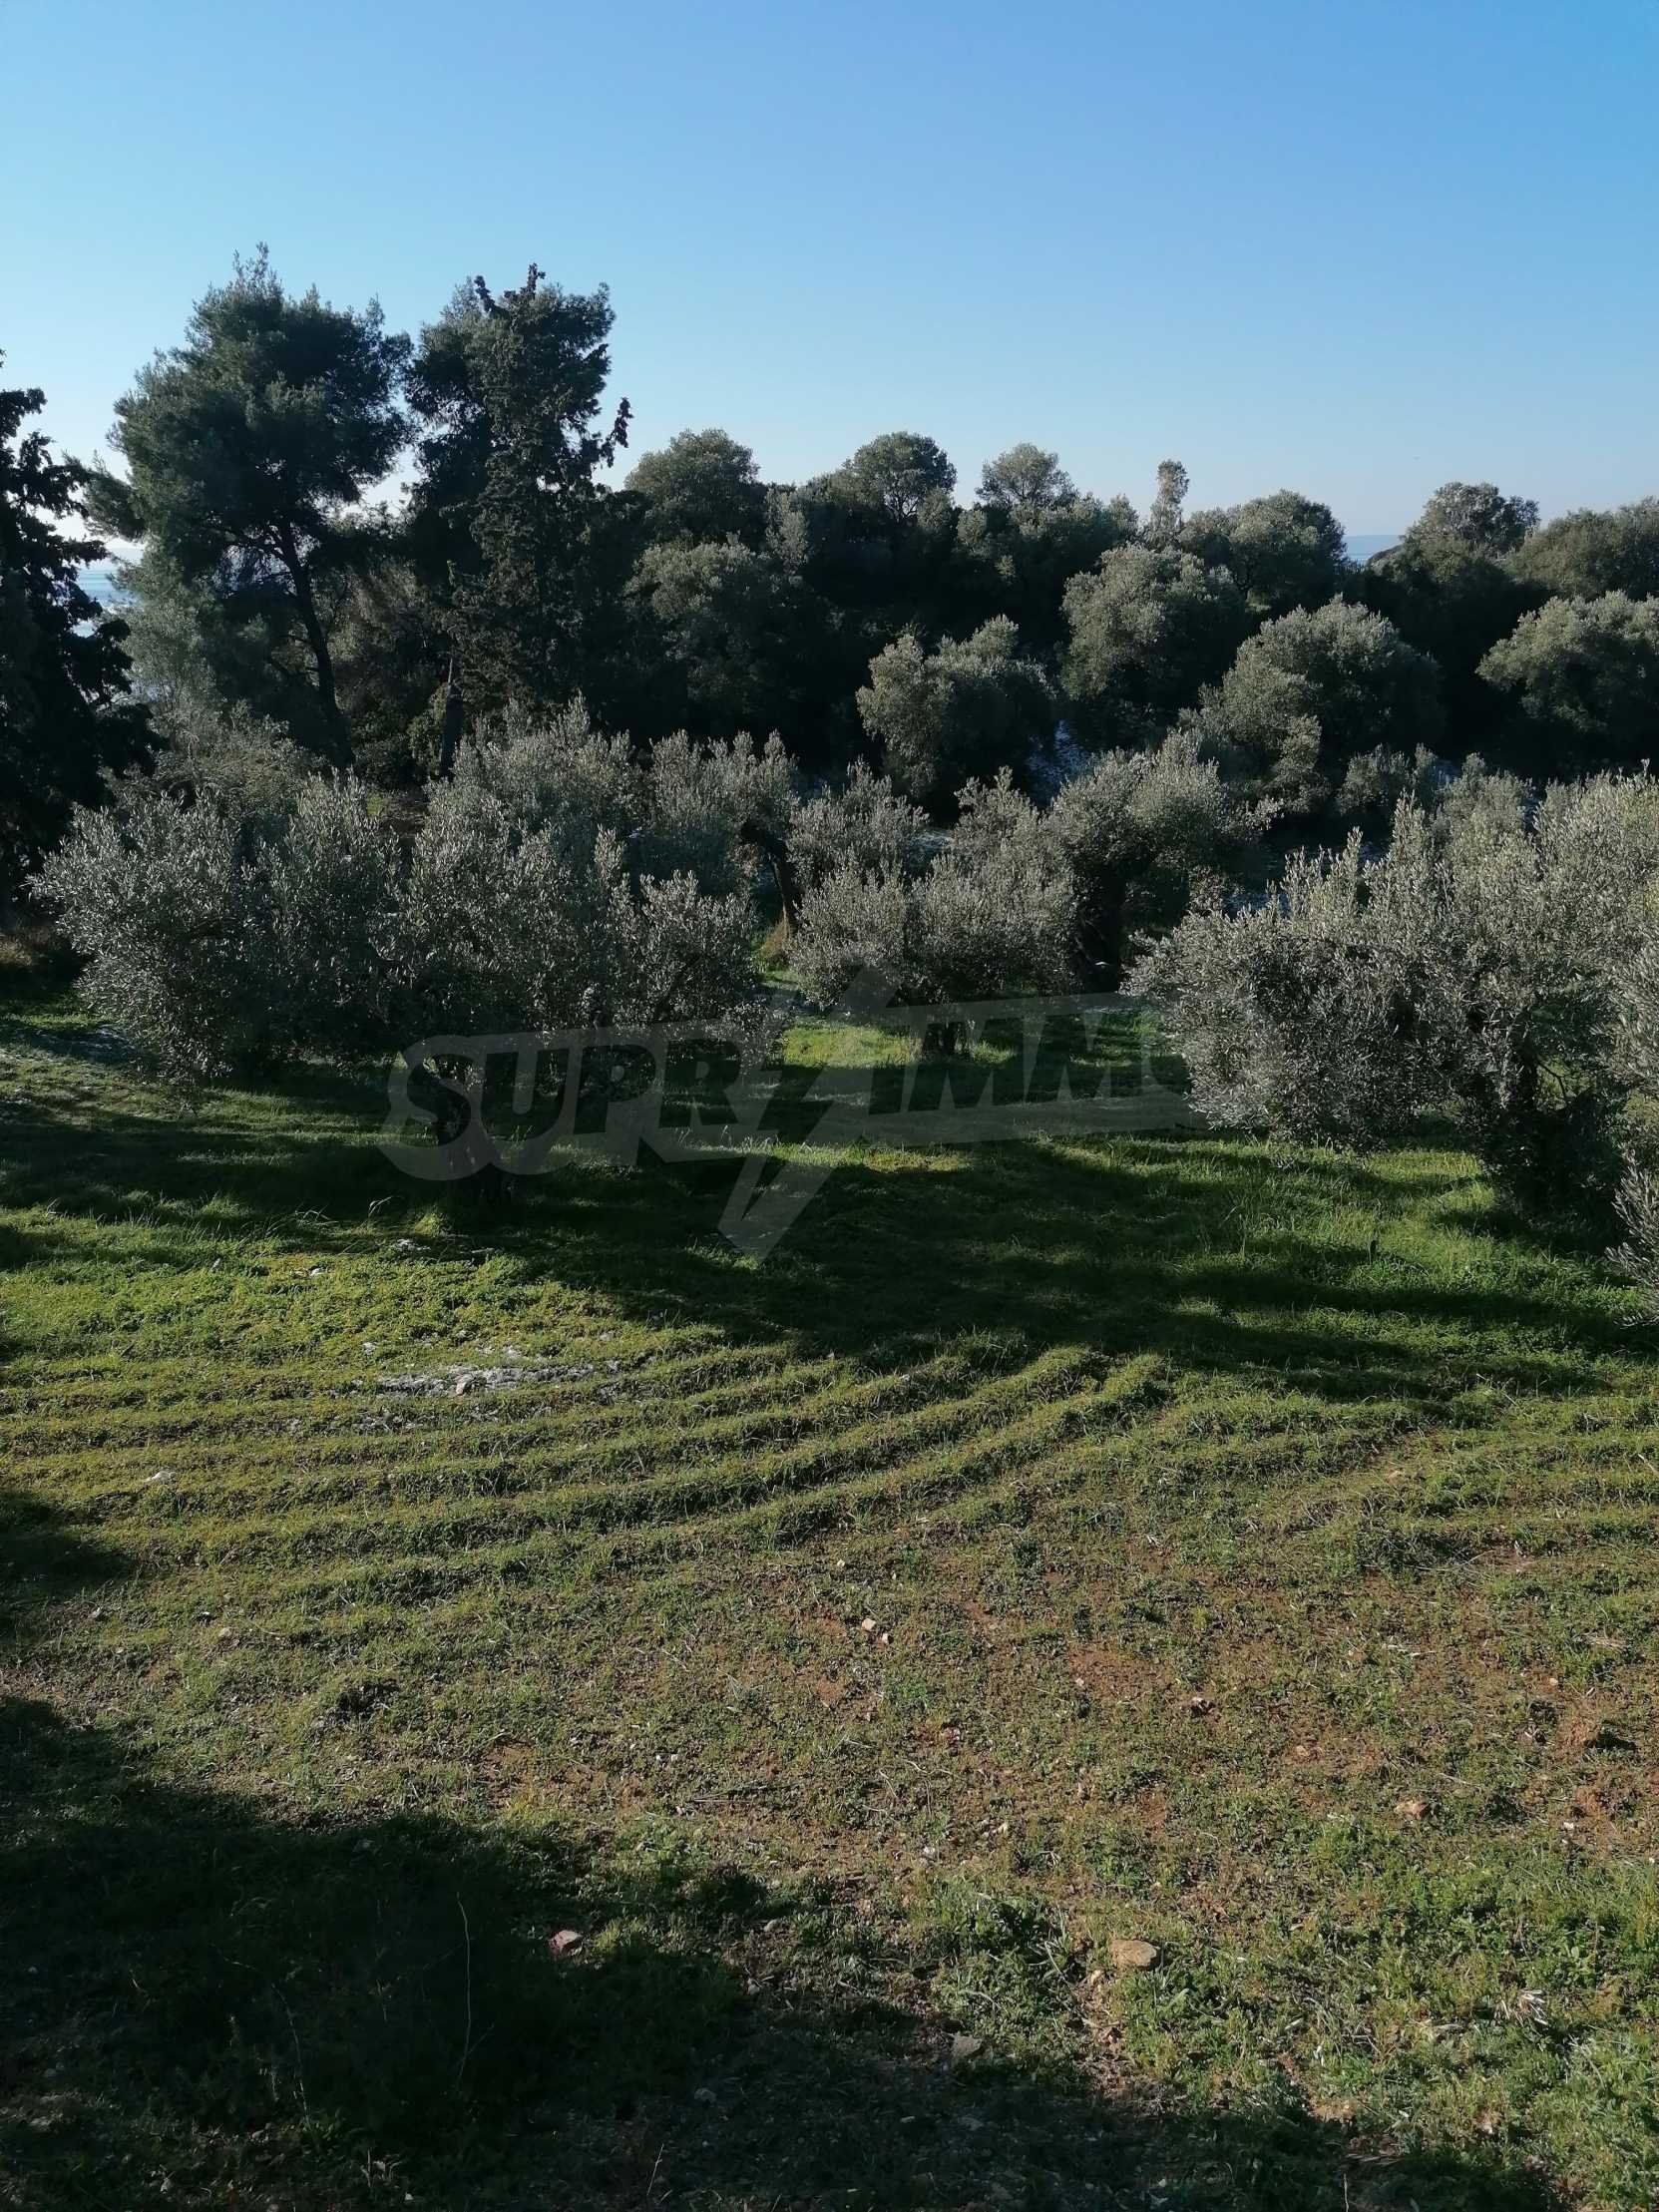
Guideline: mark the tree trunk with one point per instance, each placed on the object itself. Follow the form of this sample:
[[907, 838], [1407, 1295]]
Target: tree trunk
[[783, 875], [318, 643], [1102, 931], [455, 714]]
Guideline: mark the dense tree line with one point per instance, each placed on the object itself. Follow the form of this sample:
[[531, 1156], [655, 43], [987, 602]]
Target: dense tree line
[[1379, 838], [867, 614]]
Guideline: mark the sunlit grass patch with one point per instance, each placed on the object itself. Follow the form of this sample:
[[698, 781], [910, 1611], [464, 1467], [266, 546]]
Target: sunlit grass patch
[[1178, 1543]]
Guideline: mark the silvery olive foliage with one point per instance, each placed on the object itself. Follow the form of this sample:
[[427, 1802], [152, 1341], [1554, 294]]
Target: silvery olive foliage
[[1309, 692], [215, 941], [1479, 967], [717, 808], [331, 897], [561, 883], [170, 912], [942, 717], [1637, 1255], [240, 760], [219, 938], [507, 927], [1148, 626], [866, 825], [1148, 835], [553, 773], [999, 905], [1583, 675], [1638, 1197], [993, 912]]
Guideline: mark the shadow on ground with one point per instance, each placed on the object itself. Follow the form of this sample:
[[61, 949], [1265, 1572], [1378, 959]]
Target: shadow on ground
[[204, 2006], [1211, 1254]]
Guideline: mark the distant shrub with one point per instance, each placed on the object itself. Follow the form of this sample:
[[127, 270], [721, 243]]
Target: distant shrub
[[866, 826], [993, 912], [1148, 627], [214, 942], [1478, 967]]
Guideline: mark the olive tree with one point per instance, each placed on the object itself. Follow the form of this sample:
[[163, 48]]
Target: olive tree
[[215, 940], [993, 912], [721, 809], [1029, 534], [1452, 599], [1638, 1198], [548, 885], [1479, 517], [553, 771], [1146, 834], [900, 472], [1311, 691], [726, 634], [1149, 627], [700, 488], [1476, 968], [1283, 551], [970, 709], [866, 826], [1591, 551], [1027, 479], [502, 927], [1583, 676]]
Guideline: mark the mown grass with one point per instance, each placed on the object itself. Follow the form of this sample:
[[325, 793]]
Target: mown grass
[[1053, 1544]]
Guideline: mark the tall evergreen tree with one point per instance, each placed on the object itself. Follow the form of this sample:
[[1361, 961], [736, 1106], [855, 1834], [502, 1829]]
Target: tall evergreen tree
[[65, 710], [250, 449], [505, 514]]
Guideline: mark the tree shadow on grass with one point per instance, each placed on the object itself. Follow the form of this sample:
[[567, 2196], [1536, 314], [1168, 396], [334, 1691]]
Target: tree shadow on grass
[[1214, 1255], [1133, 1246], [204, 2006]]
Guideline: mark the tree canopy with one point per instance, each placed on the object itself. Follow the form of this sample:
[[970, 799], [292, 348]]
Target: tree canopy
[[1149, 627], [1583, 676], [868, 612], [65, 713], [508, 388], [249, 450]]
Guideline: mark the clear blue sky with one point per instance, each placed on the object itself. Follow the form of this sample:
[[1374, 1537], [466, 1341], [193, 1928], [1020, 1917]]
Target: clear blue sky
[[1351, 246]]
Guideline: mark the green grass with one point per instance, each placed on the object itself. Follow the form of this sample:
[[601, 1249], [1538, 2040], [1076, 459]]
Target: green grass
[[1249, 1553]]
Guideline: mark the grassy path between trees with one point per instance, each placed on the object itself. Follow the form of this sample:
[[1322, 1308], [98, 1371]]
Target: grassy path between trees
[[529, 1709]]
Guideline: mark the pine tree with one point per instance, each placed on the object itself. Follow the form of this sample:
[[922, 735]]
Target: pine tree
[[66, 714], [508, 504]]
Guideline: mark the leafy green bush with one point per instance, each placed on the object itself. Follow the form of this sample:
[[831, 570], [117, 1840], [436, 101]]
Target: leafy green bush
[[1145, 833], [993, 912], [1479, 967], [547, 885]]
